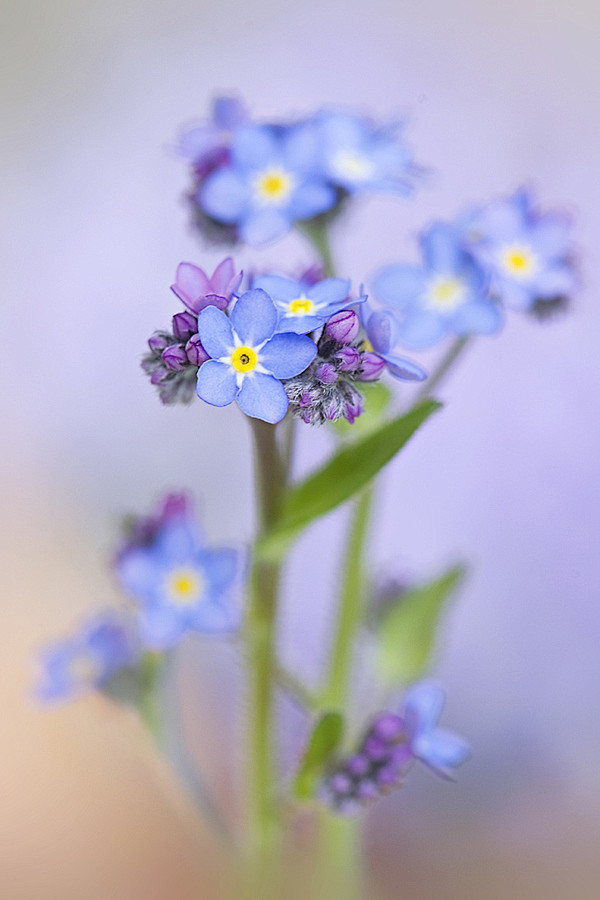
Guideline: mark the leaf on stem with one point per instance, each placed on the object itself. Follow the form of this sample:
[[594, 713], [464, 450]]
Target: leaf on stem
[[377, 400], [346, 473], [324, 741], [406, 633]]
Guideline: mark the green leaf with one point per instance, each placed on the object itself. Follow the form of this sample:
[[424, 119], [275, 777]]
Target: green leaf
[[323, 743], [377, 400], [350, 469], [407, 631]]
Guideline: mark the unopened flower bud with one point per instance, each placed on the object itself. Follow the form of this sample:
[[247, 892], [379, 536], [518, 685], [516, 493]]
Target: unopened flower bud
[[371, 367], [175, 357], [349, 359], [185, 324], [343, 326], [195, 351], [326, 373], [158, 341], [354, 409]]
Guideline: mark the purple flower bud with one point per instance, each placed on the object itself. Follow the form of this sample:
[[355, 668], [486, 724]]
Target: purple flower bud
[[388, 775], [401, 755], [158, 375], [388, 727], [349, 359], [305, 399], [343, 326], [371, 367], [366, 790], [185, 324], [158, 341], [354, 409], [195, 351], [374, 748], [340, 783], [326, 373], [357, 765], [175, 357]]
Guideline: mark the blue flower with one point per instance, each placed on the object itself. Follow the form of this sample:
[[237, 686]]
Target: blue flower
[[249, 358], [382, 330], [448, 294], [87, 659], [180, 584], [206, 145], [440, 750], [303, 308], [271, 181], [527, 253], [357, 155]]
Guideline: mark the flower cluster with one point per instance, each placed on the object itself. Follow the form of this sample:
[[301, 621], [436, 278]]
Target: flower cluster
[[506, 254], [252, 182], [389, 749]]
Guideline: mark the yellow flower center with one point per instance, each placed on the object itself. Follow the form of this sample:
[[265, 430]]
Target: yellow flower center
[[368, 346], [301, 307], [244, 359], [184, 585], [446, 293], [274, 186], [518, 261]]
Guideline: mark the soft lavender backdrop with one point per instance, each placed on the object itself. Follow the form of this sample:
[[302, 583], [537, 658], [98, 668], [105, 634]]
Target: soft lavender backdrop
[[506, 477]]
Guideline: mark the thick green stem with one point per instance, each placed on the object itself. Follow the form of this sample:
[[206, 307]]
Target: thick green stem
[[261, 624], [446, 363]]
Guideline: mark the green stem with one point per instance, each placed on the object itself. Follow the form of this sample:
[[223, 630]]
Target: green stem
[[316, 232], [261, 624], [446, 363], [335, 693], [150, 677]]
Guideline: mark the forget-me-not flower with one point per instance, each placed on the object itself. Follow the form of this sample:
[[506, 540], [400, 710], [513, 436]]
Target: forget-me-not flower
[[303, 308], [178, 583], [448, 294], [196, 289], [271, 180], [440, 750], [86, 659], [248, 358], [527, 253], [382, 333]]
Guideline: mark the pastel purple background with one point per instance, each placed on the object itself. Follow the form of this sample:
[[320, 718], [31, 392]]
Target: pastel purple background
[[505, 478]]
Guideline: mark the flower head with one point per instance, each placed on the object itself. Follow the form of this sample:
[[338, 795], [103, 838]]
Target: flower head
[[87, 659], [196, 289], [178, 583], [248, 358], [303, 308], [527, 253], [271, 180]]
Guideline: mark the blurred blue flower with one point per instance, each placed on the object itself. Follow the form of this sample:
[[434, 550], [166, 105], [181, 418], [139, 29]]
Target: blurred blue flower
[[303, 308], [87, 659], [527, 253], [382, 332], [178, 583], [440, 750], [271, 180], [448, 294], [358, 155], [206, 145], [248, 358]]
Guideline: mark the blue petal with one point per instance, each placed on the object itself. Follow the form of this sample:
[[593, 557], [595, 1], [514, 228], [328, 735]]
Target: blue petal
[[477, 318], [217, 383], [442, 751], [557, 281], [382, 331], [442, 248], [282, 290], [401, 285], [215, 332], [551, 235], [423, 705], [254, 147], [263, 397], [161, 626], [228, 112], [421, 328], [176, 541], [330, 290], [300, 148], [194, 143], [261, 226], [224, 196], [310, 199], [514, 295], [254, 317], [300, 324], [404, 368], [221, 567], [215, 618], [286, 355], [138, 572]]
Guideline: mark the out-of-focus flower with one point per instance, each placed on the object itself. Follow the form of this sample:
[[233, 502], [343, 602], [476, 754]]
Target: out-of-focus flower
[[196, 289], [358, 154], [248, 359], [207, 145], [178, 583], [304, 308], [442, 751], [527, 253], [382, 333], [448, 294], [87, 659], [271, 180]]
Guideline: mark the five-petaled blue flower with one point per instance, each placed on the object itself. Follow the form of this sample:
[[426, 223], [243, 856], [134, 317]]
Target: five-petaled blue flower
[[271, 180], [249, 358], [87, 659], [180, 584], [358, 155], [303, 308], [527, 253], [440, 750], [382, 330], [448, 294]]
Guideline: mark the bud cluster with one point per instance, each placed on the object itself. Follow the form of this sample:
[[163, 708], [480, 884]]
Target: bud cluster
[[326, 390], [173, 359]]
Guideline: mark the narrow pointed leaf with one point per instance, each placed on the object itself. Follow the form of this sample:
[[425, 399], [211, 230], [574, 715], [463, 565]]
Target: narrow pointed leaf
[[323, 743], [407, 631]]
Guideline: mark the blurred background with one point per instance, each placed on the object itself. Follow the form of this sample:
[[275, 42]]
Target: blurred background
[[506, 478]]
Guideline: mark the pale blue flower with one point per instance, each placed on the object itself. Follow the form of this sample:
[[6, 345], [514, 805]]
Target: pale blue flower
[[303, 308], [440, 750]]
